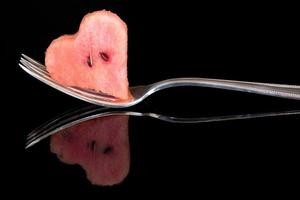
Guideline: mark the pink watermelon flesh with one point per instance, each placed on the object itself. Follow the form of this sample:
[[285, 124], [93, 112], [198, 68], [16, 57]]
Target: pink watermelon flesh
[[100, 146], [94, 58]]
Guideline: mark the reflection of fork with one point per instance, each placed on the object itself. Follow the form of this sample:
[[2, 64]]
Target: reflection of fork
[[91, 112], [139, 93]]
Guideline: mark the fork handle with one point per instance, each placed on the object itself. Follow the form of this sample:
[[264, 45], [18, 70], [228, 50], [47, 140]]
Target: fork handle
[[276, 90]]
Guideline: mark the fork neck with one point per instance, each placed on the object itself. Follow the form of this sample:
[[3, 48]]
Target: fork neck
[[176, 82], [277, 90]]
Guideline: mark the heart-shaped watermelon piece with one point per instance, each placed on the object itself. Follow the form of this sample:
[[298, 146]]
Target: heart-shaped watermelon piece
[[100, 146], [94, 58]]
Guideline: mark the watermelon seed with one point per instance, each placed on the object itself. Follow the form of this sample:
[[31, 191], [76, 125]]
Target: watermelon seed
[[107, 150], [104, 56], [92, 145], [89, 62]]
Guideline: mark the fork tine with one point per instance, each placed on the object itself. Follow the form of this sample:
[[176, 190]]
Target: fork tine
[[61, 118], [40, 137], [33, 61], [69, 118], [32, 65], [38, 74], [44, 77], [43, 131], [44, 127], [41, 72], [37, 131], [94, 94]]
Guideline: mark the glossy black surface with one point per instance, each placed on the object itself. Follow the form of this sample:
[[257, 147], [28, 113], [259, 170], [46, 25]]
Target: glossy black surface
[[243, 42]]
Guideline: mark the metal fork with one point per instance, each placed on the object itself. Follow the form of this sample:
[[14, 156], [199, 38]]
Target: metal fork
[[139, 93], [76, 116]]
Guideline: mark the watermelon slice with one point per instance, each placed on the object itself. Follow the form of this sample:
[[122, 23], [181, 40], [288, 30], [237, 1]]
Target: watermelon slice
[[94, 58], [100, 146]]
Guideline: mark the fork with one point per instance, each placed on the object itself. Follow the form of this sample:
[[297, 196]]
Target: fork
[[76, 116], [139, 93]]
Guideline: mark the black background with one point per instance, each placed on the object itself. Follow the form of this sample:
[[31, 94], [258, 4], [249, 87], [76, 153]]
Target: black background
[[251, 42]]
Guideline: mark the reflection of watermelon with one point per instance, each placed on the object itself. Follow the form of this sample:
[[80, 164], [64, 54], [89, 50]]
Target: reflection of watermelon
[[93, 58], [100, 146]]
